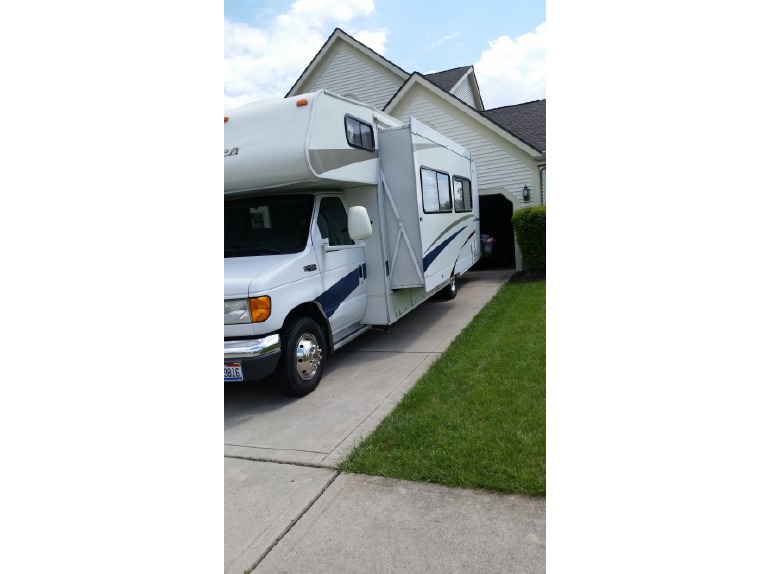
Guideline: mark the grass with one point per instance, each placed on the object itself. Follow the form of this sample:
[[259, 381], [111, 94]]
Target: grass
[[476, 419]]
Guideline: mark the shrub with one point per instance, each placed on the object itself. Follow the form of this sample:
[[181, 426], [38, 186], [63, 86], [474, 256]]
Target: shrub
[[529, 227]]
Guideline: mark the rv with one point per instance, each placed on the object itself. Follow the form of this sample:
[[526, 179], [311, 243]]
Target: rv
[[338, 218]]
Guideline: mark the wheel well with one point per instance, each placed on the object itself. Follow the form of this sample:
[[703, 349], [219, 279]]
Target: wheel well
[[313, 311]]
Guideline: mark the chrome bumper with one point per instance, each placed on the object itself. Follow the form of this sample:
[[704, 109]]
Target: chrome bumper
[[250, 348]]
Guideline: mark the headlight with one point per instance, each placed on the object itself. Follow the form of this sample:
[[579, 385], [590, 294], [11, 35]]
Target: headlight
[[237, 311], [254, 310]]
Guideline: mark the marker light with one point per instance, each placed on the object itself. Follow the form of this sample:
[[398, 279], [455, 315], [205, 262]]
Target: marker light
[[301, 102]]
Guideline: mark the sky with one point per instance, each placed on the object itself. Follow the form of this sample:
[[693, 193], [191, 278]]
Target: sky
[[268, 43]]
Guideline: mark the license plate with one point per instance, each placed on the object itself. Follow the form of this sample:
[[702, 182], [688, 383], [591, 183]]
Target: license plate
[[233, 372]]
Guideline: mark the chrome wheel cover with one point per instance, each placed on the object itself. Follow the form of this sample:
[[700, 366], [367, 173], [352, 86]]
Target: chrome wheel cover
[[307, 356]]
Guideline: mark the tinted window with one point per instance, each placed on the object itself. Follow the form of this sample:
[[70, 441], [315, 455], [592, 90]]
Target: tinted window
[[333, 221], [359, 134], [435, 191], [462, 198], [266, 225]]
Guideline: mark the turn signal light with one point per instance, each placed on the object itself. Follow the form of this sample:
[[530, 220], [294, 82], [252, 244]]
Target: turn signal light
[[260, 309]]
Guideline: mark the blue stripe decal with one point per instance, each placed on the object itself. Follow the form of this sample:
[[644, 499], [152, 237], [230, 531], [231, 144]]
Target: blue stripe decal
[[333, 297], [428, 259]]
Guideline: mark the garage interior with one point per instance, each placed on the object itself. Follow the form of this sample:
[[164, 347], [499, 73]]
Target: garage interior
[[495, 213]]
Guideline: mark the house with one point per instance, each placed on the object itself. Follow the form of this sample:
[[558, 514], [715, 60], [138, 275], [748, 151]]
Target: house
[[508, 143]]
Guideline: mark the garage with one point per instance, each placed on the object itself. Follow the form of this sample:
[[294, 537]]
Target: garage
[[495, 213]]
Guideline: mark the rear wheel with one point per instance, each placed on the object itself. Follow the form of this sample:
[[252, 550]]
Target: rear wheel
[[302, 359], [450, 291]]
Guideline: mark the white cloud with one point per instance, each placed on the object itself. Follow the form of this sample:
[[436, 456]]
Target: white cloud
[[444, 39], [513, 71], [331, 10], [374, 39], [265, 62]]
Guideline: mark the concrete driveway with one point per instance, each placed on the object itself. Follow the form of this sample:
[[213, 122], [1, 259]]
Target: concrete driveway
[[287, 508]]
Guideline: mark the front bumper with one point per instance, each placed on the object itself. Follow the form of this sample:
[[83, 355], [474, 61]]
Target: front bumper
[[258, 357]]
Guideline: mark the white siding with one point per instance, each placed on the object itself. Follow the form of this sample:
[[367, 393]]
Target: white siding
[[349, 74], [497, 161], [464, 92]]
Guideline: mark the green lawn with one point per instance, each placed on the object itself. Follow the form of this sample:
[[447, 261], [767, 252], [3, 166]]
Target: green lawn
[[476, 419]]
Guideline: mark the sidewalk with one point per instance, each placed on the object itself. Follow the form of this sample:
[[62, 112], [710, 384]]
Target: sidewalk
[[288, 510], [363, 524]]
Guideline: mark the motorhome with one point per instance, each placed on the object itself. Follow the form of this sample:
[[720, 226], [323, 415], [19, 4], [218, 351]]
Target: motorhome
[[338, 218]]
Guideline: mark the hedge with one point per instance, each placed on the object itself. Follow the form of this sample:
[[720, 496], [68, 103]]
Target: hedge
[[529, 227]]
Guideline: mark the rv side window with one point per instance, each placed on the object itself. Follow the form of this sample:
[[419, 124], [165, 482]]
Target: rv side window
[[435, 191], [462, 194], [359, 133], [333, 222]]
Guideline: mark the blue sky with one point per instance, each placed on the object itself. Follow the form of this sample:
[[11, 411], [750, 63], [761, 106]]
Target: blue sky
[[269, 42]]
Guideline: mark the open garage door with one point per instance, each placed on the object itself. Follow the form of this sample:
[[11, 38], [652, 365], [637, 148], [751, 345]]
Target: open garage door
[[495, 213]]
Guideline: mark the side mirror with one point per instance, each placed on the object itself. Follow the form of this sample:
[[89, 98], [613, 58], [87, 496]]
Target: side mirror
[[359, 226]]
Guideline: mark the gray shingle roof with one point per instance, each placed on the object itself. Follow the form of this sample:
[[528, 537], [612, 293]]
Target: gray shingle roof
[[526, 121], [447, 79]]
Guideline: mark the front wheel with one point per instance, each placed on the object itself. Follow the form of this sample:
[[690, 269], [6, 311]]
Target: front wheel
[[302, 356]]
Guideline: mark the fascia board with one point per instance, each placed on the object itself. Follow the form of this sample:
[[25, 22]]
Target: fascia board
[[476, 91]]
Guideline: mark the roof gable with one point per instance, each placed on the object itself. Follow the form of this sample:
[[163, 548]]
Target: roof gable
[[460, 82], [417, 79], [448, 79], [322, 59], [522, 124]]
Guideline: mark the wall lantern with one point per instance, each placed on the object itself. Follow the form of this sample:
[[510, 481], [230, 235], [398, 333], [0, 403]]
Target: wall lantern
[[525, 193]]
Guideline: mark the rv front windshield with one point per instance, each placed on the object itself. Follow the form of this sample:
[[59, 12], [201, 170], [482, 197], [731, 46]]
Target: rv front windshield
[[267, 225]]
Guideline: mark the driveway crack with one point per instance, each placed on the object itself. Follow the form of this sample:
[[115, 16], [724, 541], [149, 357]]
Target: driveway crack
[[276, 461], [293, 522]]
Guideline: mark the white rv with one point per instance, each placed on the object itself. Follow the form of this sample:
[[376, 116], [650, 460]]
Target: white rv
[[338, 217]]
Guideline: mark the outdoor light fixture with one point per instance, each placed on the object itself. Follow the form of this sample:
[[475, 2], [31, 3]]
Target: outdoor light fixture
[[525, 193]]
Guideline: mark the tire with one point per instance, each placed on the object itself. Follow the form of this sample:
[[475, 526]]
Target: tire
[[450, 291], [303, 355]]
